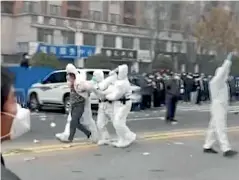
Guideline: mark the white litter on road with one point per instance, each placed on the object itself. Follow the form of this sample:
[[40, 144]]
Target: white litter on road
[[178, 143], [43, 118], [146, 153], [29, 158], [53, 124], [36, 141]]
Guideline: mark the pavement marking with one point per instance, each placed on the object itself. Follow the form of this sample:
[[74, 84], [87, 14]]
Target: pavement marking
[[146, 118], [186, 134], [88, 145]]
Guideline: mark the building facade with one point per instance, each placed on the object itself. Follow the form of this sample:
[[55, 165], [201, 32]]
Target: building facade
[[120, 25]]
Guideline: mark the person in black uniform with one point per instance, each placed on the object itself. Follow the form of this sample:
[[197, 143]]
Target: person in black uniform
[[172, 95]]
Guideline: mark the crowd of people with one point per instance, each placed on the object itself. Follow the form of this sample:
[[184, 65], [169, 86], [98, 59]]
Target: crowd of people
[[191, 88]]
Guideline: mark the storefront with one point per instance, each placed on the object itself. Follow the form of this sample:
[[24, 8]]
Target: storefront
[[65, 53], [144, 60], [121, 56]]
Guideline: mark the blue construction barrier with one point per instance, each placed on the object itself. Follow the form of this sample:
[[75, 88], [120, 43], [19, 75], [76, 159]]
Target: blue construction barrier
[[25, 77]]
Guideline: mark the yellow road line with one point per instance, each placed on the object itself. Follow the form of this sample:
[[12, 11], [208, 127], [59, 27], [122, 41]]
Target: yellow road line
[[174, 132], [83, 145]]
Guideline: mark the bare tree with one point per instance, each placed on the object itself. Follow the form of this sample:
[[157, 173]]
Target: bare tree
[[218, 31]]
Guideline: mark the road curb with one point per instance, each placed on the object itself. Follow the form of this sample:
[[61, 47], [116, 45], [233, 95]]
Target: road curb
[[85, 145]]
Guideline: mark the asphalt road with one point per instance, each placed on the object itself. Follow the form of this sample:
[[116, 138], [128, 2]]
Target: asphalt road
[[168, 152], [171, 159], [189, 117]]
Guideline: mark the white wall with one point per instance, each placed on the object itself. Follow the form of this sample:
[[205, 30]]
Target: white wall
[[7, 35]]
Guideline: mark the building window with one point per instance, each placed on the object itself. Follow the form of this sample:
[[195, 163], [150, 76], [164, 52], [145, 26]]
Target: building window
[[74, 3], [22, 47], [146, 22], [129, 12], [68, 37], [95, 15], [175, 26], [113, 2], [7, 7], [176, 46], [109, 41], [114, 18], [45, 35], [54, 10], [89, 39], [73, 13], [128, 42], [161, 24], [129, 7], [175, 11], [161, 46], [144, 44], [30, 7], [129, 20]]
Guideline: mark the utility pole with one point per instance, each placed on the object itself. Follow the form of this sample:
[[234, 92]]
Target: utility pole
[[155, 45]]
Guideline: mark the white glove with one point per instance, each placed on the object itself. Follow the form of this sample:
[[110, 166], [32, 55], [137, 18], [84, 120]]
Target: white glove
[[230, 55], [113, 72]]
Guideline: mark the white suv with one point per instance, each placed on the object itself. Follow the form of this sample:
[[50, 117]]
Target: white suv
[[53, 91]]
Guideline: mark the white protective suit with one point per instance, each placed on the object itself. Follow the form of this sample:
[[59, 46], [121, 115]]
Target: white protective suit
[[83, 88], [121, 89], [105, 110], [219, 105]]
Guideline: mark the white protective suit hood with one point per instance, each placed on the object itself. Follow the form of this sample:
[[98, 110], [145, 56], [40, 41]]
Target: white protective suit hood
[[98, 76], [123, 72], [70, 68]]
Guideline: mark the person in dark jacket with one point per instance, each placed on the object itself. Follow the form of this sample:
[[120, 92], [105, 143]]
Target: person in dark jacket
[[160, 86], [172, 95], [8, 105], [146, 91]]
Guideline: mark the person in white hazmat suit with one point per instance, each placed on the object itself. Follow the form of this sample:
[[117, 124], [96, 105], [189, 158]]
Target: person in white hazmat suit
[[219, 104], [83, 88], [120, 94], [105, 110]]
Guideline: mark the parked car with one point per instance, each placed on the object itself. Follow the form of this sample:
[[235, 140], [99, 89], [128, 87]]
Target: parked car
[[53, 91]]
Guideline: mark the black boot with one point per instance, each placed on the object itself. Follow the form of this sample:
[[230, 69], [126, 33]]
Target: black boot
[[210, 150], [230, 153]]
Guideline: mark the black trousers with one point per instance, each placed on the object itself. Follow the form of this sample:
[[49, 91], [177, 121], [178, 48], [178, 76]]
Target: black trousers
[[76, 114], [146, 102], [171, 104], [199, 95], [156, 99], [187, 95], [2, 161]]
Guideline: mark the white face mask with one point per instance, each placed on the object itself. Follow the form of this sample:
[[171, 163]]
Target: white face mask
[[21, 123]]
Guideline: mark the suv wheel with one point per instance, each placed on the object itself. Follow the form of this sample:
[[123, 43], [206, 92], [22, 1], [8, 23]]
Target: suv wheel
[[34, 103], [67, 104]]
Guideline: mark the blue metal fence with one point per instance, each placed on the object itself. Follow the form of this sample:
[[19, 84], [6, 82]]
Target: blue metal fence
[[24, 78]]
